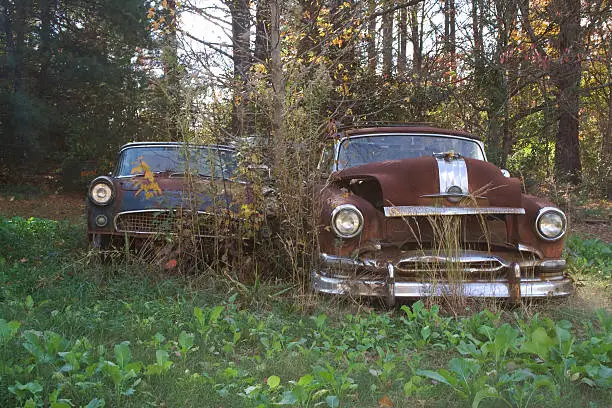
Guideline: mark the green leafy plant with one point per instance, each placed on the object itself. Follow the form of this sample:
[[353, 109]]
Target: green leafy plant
[[590, 256]]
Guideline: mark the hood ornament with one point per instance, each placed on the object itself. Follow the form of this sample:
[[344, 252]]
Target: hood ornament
[[448, 156]]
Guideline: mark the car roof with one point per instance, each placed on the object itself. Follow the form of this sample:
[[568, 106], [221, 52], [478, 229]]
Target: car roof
[[402, 128], [172, 144]]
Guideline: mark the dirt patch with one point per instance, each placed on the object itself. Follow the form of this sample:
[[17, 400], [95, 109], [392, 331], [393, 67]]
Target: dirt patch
[[601, 230], [53, 206]]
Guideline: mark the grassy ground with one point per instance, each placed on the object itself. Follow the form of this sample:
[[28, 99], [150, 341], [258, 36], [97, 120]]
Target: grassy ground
[[74, 332]]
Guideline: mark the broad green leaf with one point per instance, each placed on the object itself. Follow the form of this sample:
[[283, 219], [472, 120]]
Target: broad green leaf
[[33, 386], [487, 392], [161, 357], [305, 380], [332, 401], [186, 340], [60, 404], [123, 355], [215, 314], [113, 371], [199, 315], [434, 375], [425, 332], [96, 403], [539, 343], [289, 398], [29, 303], [505, 337], [464, 368], [417, 307], [8, 329], [468, 349], [273, 381]]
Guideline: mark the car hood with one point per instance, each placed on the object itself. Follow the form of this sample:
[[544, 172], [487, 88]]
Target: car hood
[[419, 181], [174, 192]]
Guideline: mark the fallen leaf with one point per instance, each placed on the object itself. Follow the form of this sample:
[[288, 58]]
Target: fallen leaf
[[171, 264], [385, 402]]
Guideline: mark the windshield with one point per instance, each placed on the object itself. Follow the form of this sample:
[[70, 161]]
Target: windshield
[[356, 151], [177, 160]]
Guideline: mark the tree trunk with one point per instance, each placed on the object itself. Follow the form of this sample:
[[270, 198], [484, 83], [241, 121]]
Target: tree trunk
[[387, 44], [417, 43], [403, 42], [19, 46], [239, 10], [566, 74], [7, 71], [477, 34], [172, 75], [20, 138], [450, 43], [262, 31], [278, 96], [607, 142], [47, 7], [371, 44]]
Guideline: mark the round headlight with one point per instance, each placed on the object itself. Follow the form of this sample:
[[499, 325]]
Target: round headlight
[[550, 224], [101, 193], [347, 221]]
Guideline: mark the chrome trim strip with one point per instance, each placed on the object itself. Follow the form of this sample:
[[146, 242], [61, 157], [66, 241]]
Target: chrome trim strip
[[529, 288], [530, 249], [339, 260], [339, 263], [553, 265], [452, 172], [441, 261], [408, 211], [444, 195]]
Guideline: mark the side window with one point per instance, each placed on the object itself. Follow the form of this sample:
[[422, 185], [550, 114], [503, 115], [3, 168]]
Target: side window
[[326, 163]]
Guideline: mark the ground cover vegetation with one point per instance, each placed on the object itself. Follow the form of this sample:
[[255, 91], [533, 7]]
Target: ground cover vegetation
[[75, 332]]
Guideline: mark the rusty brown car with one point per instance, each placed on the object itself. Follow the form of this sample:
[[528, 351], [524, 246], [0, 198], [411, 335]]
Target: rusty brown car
[[413, 211], [162, 188]]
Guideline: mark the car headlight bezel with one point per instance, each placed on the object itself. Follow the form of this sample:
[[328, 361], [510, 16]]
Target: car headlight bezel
[[542, 215], [103, 184], [349, 210]]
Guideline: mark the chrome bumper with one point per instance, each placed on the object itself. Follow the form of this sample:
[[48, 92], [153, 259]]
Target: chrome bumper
[[512, 286]]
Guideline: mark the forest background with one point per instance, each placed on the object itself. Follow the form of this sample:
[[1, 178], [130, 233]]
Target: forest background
[[78, 78]]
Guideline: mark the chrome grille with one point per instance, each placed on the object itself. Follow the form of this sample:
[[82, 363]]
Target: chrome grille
[[424, 264], [164, 221]]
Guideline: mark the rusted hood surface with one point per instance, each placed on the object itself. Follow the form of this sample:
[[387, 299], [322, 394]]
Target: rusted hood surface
[[410, 181], [202, 194]]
